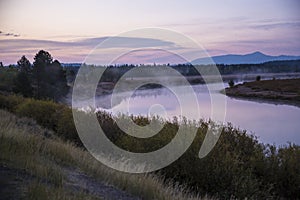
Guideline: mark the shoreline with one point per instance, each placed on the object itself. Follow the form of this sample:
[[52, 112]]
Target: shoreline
[[282, 92]]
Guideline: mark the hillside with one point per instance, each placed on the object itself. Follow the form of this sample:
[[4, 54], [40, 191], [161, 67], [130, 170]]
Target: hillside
[[35, 164], [252, 58]]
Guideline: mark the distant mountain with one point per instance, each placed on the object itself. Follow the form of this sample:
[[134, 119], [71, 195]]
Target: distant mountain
[[253, 58]]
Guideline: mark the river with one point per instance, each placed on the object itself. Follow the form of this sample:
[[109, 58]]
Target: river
[[271, 123]]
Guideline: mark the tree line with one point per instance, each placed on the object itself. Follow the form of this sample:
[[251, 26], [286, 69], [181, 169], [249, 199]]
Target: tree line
[[114, 72], [44, 79], [47, 79]]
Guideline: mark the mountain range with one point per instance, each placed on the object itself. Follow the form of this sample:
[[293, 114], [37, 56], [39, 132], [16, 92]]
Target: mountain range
[[252, 58]]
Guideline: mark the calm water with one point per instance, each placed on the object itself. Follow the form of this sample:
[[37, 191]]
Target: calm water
[[272, 123]]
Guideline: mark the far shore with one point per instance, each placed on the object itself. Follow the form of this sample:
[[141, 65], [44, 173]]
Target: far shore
[[283, 91]]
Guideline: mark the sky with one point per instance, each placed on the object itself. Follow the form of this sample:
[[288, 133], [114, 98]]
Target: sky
[[69, 30]]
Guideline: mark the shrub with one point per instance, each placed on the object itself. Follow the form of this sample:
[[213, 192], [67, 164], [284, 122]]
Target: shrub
[[238, 166], [231, 83], [258, 78], [48, 114], [10, 102], [44, 112], [66, 127], [7, 76]]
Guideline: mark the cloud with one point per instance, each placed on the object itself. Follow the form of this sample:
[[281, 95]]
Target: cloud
[[149, 56], [127, 42], [70, 51], [269, 26], [9, 34]]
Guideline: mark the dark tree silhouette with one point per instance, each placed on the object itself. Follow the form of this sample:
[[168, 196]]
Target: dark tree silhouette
[[258, 78], [1, 65], [22, 82], [24, 65], [231, 83], [22, 85], [41, 60], [50, 79], [56, 81]]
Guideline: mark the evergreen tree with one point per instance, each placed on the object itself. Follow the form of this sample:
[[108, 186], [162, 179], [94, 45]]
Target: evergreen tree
[[50, 79], [24, 65], [57, 82], [22, 82], [41, 60]]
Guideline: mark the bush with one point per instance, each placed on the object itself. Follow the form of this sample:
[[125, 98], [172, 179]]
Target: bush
[[44, 112], [10, 102], [258, 78], [283, 169], [238, 166], [7, 77], [22, 85], [231, 83], [48, 114], [66, 127]]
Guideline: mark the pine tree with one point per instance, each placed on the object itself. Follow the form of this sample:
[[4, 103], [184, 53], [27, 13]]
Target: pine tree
[[22, 82]]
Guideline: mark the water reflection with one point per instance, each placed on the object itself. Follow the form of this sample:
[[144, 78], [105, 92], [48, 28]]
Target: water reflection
[[271, 123]]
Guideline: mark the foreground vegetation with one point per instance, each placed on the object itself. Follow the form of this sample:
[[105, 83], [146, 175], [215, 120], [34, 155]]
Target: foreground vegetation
[[41, 158], [238, 166], [287, 90]]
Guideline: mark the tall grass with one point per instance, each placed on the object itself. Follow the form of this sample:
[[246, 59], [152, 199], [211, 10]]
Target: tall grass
[[25, 147]]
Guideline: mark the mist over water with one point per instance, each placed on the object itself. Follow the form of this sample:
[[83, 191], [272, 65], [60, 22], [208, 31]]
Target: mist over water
[[271, 123]]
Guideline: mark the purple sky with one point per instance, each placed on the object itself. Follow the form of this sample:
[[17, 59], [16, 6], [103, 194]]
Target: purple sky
[[69, 30]]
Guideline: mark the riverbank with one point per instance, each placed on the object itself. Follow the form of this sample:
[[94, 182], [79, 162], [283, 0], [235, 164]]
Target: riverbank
[[237, 167], [284, 91], [36, 164]]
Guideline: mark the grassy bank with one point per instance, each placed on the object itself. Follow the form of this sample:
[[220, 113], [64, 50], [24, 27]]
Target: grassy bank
[[238, 166], [285, 90], [40, 163]]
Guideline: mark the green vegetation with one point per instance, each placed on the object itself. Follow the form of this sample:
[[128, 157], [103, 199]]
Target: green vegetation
[[23, 82], [7, 77], [51, 115], [238, 166], [45, 79], [114, 72], [24, 150], [47, 160], [287, 66], [49, 78]]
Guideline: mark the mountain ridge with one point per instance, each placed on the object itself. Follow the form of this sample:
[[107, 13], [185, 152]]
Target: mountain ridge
[[256, 57]]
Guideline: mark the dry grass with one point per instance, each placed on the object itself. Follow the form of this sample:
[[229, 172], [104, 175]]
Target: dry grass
[[286, 85], [287, 90], [23, 146]]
